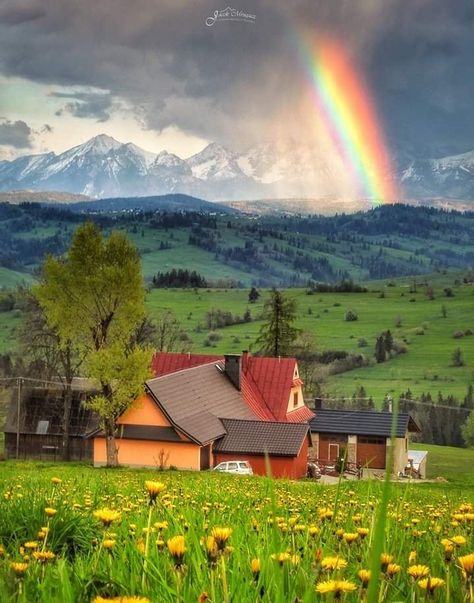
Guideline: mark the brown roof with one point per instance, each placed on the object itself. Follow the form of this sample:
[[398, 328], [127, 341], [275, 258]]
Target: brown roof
[[195, 398], [262, 437]]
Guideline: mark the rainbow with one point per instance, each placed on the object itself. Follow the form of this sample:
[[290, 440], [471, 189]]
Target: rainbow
[[345, 108]]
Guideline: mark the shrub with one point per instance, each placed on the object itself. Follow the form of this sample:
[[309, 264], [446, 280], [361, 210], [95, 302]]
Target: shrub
[[458, 359], [362, 343], [458, 334], [351, 316]]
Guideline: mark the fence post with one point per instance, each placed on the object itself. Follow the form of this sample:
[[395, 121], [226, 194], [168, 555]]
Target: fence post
[[18, 409]]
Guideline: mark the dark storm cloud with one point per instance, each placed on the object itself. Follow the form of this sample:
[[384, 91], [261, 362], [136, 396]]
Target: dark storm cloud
[[93, 105], [15, 134], [15, 12], [226, 82]]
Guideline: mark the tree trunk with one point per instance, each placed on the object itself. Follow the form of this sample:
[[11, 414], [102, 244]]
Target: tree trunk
[[66, 448], [110, 444]]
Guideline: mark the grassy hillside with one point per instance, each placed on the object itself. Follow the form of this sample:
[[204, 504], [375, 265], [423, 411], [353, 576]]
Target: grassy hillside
[[11, 278]]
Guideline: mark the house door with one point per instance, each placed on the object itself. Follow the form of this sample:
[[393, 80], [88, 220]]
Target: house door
[[205, 457], [333, 450]]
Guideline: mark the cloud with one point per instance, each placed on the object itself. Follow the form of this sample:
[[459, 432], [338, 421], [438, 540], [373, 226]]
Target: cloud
[[15, 134], [91, 105], [233, 81]]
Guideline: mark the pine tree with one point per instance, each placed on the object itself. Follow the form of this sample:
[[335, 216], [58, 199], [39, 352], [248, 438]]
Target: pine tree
[[253, 295], [380, 349], [277, 335]]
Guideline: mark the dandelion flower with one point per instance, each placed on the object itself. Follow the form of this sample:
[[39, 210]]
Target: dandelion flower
[[153, 489], [350, 537], [385, 559], [255, 567], [44, 556], [55, 481], [364, 576], [177, 548], [333, 563], [19, 568], [392, 569], [221, 536], [418, 571], [336, 587], [281, 558], [466, 563], [109, 543], [107, 516], [50, 512], [430, 584], [33, 544]]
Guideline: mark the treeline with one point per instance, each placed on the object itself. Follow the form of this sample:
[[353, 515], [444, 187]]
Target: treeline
[[179, 279], [344, 286], [440, 420]]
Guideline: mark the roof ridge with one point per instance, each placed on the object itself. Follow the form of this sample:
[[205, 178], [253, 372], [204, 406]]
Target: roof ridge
[[188, 368]]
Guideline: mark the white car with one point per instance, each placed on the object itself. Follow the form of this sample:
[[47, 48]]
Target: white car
[[239, 467]]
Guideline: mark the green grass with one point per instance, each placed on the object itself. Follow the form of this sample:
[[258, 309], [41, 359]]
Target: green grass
[[9, 279], [290, 527]]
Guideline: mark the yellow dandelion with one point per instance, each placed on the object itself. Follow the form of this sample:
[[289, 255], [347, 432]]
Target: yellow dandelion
[[418, 571], [385, 559], [55, 481], [50, 512], [281, 558], [107, 516], [350, 537], [177, 549], [412, 557], [333, 563], [392, 570], [31, 545], [109, 543], [466, 563], [255, 567], [44, 556], [221, 536], [19, 568], [363, 532], [313, 531], [153, 489], [364, 576], [335, 587], [431, 584]]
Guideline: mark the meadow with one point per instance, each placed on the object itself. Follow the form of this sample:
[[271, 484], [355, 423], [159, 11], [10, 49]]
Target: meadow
[[77, 534]]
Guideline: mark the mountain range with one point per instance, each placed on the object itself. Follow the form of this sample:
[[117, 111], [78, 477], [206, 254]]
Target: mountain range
[[104, 167]]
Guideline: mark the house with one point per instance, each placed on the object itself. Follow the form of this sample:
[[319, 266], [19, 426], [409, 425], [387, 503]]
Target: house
[[200, 409], [363, 434], [37, 432]]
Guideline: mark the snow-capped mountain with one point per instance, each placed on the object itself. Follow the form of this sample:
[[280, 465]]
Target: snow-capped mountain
[[105, 167], [451, 176]]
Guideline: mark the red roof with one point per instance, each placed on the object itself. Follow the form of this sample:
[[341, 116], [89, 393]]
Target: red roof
[[265, 382], [164, 363]]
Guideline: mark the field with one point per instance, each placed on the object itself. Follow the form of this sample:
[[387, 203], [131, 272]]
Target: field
[[416, 322], [75, 534]]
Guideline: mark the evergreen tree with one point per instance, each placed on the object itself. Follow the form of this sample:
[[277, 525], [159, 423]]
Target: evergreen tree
[[388, 342], [277, 335], [253, 295], [467, 430], [380, 349]]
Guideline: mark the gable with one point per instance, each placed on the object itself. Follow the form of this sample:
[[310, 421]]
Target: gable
[[144, 411]]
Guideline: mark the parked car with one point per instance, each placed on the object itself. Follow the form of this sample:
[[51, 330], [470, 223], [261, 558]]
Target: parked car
[[239, 467]]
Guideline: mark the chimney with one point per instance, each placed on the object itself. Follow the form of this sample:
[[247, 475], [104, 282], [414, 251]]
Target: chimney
[[232, 368], [318, 403]]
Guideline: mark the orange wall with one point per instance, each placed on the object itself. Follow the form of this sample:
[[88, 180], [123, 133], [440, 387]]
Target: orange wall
[[281, 466], [144, 453], [144, 412]]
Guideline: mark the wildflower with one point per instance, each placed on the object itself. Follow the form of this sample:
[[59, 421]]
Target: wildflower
[[107, 516], [203, 597], [44, 556], [412, 557], [418, 571], [364, 576], [33, 544], [2, 551], [467, 565], [385, 559], [333, 563], [313, 531], [281, 558], [19, 568], [153, 489], [109, 543], [430, 584], [363, 532], [336, 587], [211, 548], [161, 525], [50, 512], [55, 481], [392, 569], [177, 548], [255, 567], [121, 600], [458, 540], [350, 537], [221, 536]]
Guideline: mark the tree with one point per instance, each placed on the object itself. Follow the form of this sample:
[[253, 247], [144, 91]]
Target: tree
[[380, 349], [253, 295], [388, 342], [95, 298], [467, 430], [277, 335], [59, 358], [304, 350], [458, 359]]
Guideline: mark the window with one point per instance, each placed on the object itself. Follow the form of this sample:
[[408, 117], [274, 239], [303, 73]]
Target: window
[[295, 399], [232, 466]]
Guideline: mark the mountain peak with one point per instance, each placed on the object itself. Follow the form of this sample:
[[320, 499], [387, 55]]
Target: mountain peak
[[100, 144]]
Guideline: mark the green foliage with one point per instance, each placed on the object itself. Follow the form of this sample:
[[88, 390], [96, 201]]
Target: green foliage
[[457, 357], [351, 316], [467, 430], [277, 334]]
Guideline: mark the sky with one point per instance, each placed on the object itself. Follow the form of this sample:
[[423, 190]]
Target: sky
[[153, 72]]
